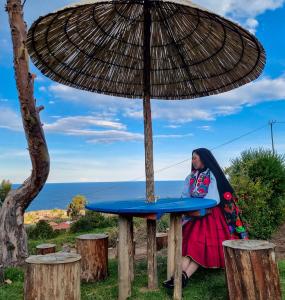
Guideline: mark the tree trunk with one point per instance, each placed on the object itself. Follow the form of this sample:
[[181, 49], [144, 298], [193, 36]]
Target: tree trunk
[[13, 238]]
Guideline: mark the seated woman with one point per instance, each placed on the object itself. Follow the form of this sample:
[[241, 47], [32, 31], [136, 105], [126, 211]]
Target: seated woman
[[203, 236]]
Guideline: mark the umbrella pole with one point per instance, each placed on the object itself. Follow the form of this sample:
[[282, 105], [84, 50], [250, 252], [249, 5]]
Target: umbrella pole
[[151, 224]]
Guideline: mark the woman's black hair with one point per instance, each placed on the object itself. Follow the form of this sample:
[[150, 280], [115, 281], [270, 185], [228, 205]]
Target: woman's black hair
[[210, 162]]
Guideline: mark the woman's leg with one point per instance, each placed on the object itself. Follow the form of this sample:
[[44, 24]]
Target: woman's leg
[[186, 260], [192, 267]]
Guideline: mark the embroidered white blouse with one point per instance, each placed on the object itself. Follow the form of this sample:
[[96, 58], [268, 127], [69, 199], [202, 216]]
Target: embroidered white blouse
[[213, 192]]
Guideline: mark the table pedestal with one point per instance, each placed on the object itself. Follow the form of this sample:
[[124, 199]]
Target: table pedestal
[[125, 256], [174, 254]]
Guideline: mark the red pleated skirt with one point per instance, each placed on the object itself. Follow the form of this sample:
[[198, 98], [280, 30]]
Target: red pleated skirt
[[203, 237]]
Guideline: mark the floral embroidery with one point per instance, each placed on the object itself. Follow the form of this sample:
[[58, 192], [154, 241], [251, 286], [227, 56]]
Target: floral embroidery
[[199, 184], [232, 216], [198, 187], [228, 195]]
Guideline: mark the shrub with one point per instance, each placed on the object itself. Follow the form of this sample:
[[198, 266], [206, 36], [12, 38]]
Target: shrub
[[42, 230], [112, 237], [163, 223], [92, 220], [76, 205], [5, 188], [258, 177]]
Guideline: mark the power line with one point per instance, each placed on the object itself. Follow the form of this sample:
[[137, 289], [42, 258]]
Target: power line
[[187, 159], [239, 137]]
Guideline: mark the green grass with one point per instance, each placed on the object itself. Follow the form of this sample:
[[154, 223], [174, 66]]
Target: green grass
[[62, 238], [206, 284]]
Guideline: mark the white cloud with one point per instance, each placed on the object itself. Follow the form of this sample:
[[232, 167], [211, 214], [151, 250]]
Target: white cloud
[[173, 126], [79, 122], [40, 78], [205, 127], [42, 89], [111, 136], [173, 135], [84, 126], [13, 153], [209, 108], [9, 119], [242, 11], [110, 105]]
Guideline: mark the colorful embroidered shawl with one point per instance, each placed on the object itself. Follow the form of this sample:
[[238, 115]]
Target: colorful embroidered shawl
[[198, 187]]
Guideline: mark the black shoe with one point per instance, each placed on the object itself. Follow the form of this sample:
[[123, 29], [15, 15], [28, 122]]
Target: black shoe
[[185, 279], [169, 283]]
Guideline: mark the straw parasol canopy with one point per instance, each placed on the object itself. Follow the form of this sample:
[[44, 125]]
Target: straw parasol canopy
[[99, 46]]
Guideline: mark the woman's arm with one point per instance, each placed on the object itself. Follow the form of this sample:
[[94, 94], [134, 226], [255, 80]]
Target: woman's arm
[[185, 191], [213, 192]]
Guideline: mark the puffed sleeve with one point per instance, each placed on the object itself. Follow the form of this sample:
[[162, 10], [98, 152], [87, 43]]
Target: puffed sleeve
[[213, 192], [185, 191]]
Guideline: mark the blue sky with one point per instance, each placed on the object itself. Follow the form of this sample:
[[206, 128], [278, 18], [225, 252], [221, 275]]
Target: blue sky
[[94, 137]]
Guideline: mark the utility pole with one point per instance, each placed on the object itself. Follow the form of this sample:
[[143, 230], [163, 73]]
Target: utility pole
[[271, 130]]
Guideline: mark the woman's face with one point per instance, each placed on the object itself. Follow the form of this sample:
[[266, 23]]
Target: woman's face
[[197, 163]]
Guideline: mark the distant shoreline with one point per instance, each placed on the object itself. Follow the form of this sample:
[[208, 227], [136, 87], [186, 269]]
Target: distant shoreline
[[32, 217], [82, 182]]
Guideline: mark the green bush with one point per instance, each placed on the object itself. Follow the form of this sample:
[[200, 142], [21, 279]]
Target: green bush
[[5, 188], [92, 220], [77, 204], [42, 230], [113, 234], [258, 178], [163, 223]]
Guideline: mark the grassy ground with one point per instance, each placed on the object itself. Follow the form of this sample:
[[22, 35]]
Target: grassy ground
[[206, 284], [61, 239]]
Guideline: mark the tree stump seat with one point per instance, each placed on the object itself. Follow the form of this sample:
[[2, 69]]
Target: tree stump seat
[[52, 276], [251, 270], [93, 249], [43, 249], [161, 240]]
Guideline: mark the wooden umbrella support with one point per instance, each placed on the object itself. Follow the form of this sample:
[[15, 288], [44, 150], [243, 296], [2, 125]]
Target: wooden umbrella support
[[151, 224]]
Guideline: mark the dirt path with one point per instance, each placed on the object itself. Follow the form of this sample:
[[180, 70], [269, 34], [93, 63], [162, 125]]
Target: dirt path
[[279, 240]]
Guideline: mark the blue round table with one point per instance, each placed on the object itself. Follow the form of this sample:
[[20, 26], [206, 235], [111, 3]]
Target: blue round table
[[152, 211]]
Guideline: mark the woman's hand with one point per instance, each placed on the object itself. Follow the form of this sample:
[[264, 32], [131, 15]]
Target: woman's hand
[[196, 213]]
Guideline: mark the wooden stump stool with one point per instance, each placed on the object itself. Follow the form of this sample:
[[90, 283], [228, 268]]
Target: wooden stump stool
[[93, 249], [251, 270], [45, 249], [161, 240], [52, 276]]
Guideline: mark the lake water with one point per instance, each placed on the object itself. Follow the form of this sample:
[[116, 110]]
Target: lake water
[[59, 195]]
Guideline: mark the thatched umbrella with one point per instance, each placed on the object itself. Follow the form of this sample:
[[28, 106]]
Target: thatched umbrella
[[144, 49]]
